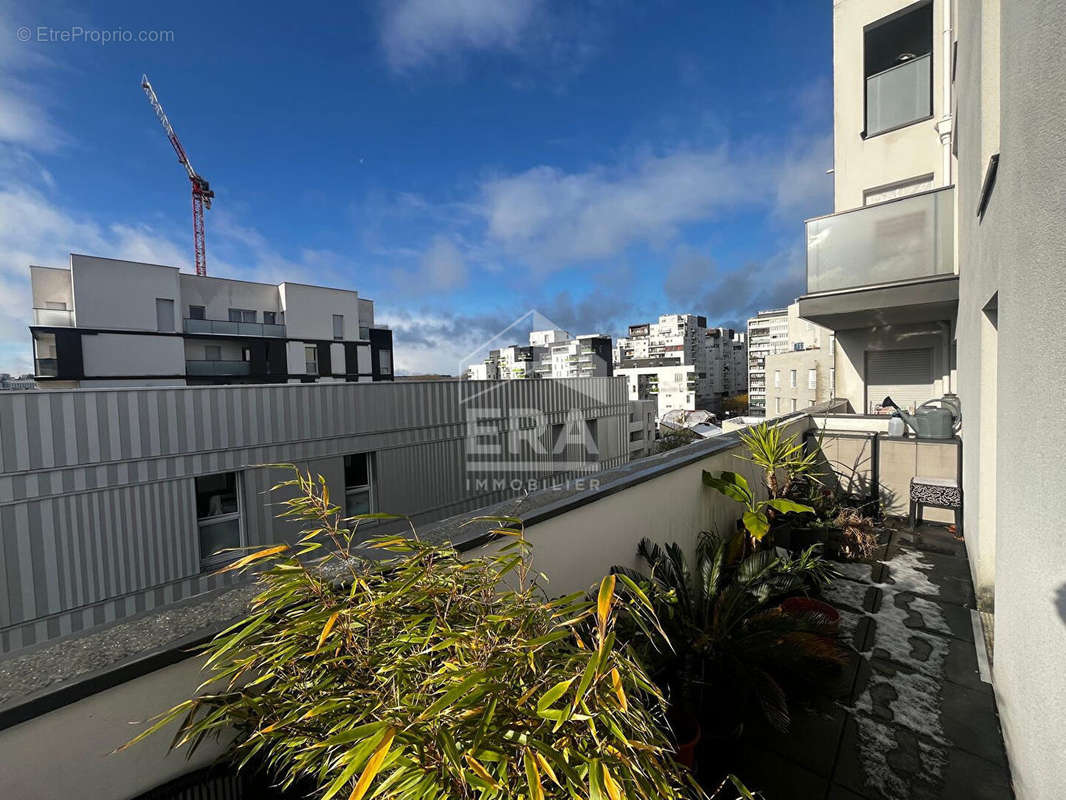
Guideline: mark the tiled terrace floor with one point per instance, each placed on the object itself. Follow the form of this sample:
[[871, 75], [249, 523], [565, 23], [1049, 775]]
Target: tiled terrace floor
[[915, 720]]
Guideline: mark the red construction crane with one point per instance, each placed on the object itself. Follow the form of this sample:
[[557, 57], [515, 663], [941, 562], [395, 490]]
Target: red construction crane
[[201, 189]]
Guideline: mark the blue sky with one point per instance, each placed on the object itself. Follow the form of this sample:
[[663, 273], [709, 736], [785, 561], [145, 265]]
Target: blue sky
[[458, 162]]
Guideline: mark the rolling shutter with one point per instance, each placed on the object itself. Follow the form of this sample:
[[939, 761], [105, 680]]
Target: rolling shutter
[[904, 375]]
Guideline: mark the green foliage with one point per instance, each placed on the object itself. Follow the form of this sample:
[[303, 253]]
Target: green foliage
[[779, 455], [755, 519], [734, 648], [424, 675]]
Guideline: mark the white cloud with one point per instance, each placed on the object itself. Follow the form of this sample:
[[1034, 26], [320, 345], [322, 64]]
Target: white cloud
[[416, 32], [553, 218]]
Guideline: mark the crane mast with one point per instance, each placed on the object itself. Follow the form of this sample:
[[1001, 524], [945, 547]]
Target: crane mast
[[201, 189]]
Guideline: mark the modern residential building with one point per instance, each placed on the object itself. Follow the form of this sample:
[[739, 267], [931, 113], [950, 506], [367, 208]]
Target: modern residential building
[[941, 272], [802, 375], [103, 322], [550, 354], [881, 270], [767, 334], [682, 363], [11, 383], [587, 356]]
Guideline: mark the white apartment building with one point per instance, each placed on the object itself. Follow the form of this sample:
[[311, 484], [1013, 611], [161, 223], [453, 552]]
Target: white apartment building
[[941, 271], [550, 354], [881, 269], [804, 373], [682, 363], [103, 322], [767, 334]]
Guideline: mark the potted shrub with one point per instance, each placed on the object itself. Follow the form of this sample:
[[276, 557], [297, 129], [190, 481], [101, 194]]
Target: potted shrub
[[734, 649], [428, 675]]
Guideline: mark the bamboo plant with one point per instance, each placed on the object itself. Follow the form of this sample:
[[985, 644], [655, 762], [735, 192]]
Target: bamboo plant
[[419, 674]]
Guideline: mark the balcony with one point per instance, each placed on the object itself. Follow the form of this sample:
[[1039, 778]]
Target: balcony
[[217, 368], [46, 367], [892, 262], [224, 327], [899, 95], [53, 317]]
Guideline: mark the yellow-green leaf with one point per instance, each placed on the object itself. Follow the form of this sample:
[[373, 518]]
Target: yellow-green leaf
[[616, 682], [249, 559], [329, 626], [603, 602], [373, 765], [536, 790], [480, 771], [544, 765], [614, 791]]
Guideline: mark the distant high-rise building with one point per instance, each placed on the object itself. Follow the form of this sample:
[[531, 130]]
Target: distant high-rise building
[[682, 363], [767, 334]]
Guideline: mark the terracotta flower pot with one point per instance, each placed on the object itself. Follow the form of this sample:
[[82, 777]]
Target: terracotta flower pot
[[688, 732]]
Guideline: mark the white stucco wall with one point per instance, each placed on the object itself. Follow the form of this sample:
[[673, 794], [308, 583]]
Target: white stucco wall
[[309, 311], [1016, 254], [51, 284], [219, 295], [122, 354], [68, 752], [121, 295], [908, 152]]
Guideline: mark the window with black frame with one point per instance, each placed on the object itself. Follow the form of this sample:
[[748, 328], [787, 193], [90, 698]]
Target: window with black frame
[[218, 517], [357, 489]]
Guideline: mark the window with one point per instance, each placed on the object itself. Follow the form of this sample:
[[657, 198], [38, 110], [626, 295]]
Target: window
[[246, 354], [792, 378], [212, 352], [241, 315], [311, 359], [197, 312], [898, 69], [357, 483], [777, 402], [385, 362], [218, 516], [777, 379], [338, 326], [812, 379], [164, 314], [833, 381], [793, 403], [269, 318]]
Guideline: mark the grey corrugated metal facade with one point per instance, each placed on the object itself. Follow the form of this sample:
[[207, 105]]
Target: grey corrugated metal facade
[[97, 493]]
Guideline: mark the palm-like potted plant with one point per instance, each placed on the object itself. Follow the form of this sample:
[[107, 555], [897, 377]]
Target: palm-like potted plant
[[426, 675], [784, 464], [734, 647]]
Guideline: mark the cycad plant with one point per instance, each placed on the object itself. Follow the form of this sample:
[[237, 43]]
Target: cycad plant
[[781, 458], [734, 648], [755, 519], [423, 675]]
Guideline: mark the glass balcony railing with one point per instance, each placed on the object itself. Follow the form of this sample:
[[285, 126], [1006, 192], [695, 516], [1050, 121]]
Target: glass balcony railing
[[218, 368], [55, 317], [46, 367], [898, 240], [899, 95], [227, 328]]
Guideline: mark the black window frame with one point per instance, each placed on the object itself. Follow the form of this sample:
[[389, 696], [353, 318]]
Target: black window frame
[[354, 489], [206, 520]]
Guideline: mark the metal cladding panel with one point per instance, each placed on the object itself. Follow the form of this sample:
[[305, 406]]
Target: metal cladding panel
[[97, 497]]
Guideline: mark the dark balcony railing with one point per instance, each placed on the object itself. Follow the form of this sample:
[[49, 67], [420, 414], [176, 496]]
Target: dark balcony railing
[[897, 240], [46, 367], [227, 328], [218, 368], [899, 95], [54, 317]]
